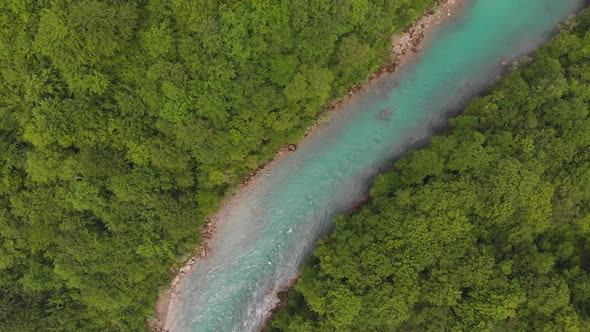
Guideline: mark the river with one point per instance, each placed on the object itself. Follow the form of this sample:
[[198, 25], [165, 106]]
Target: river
[[267, 230]]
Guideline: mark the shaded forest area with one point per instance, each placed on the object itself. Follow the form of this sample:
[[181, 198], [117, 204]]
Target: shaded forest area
[[123, 123], [486, 229]]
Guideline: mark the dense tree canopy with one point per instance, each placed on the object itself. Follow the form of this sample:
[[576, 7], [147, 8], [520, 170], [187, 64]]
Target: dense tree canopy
[[486, 229], [122, 123]]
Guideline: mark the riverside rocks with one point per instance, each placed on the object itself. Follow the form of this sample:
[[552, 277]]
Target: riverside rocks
[[412, 40]]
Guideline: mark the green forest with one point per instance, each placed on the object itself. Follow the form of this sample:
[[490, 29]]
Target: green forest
[[485, 229], [123, 124]]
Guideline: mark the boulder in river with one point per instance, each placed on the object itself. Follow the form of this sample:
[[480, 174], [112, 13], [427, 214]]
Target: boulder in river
[[385, 114]]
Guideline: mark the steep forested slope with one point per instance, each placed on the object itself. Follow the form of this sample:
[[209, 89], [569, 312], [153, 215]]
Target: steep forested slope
[[122, 123], [486, 229]]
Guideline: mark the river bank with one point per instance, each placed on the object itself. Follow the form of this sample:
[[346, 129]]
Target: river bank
[[404, 48]]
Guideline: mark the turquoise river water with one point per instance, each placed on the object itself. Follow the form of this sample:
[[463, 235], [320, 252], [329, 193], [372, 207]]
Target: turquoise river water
[[266, 231]]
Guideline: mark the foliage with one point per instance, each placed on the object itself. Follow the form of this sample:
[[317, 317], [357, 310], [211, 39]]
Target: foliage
[[486, 229], [122, 123]]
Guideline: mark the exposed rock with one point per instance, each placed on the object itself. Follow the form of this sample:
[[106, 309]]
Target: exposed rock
[[291, 147]]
